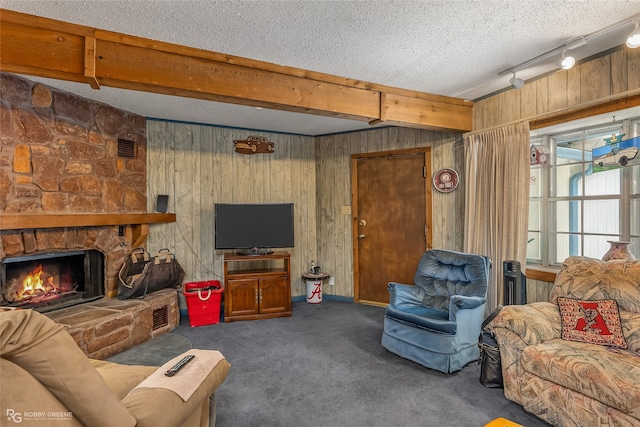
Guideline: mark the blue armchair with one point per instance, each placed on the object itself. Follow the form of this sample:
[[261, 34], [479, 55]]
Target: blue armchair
[[437, 322]]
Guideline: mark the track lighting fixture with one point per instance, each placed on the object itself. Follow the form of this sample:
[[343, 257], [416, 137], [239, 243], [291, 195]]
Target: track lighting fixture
[[567, 61], [633, 41], [516, 82]]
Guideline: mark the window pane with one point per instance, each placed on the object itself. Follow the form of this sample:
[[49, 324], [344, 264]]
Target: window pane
[[598, 141], [601, 216], [567, 216], [567, 154], [635, 247], [568, 181], [535, 212], [533, 247], [597, 246], [635, 180], [535, 181], [567, 245], [601, 136], [635, 217], [605, 182], [572, 245]]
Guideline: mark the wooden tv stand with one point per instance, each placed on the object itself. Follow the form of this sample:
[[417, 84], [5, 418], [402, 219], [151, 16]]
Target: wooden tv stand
[[260, 292]]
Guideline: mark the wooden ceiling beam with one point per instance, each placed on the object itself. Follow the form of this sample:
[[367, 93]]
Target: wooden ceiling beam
[[54, 49]]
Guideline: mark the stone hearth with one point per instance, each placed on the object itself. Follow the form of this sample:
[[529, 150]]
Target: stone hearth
[[109, 326]]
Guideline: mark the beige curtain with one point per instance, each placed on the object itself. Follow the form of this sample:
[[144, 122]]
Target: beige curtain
[[497, 199]]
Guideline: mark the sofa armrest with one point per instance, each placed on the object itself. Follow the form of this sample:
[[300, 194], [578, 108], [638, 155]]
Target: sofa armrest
[[401, 295], [153, 407], [533, 323], [120, 378], [516, 327]]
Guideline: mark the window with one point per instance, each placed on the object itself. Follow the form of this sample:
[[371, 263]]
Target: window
[[588, 192]]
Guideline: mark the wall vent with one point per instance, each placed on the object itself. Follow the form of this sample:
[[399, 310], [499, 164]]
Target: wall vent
[[126, 149], [160, 317]]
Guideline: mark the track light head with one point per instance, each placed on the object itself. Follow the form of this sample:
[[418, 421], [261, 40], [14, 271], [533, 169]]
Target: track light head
[[633, 41], [567, 62], [516, 82]]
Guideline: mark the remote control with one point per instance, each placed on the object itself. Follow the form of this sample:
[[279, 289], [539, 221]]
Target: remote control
[[175, 368]]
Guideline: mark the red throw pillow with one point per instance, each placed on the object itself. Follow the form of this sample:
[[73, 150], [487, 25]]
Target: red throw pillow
[[592, 322]]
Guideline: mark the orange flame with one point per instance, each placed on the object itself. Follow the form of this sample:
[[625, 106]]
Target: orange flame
[[33, 284]]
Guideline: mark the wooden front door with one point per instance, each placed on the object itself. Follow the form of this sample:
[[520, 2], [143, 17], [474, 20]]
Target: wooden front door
[[391, 219]]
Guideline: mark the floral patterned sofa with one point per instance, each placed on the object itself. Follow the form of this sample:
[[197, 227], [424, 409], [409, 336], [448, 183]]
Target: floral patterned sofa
[[563, 380]]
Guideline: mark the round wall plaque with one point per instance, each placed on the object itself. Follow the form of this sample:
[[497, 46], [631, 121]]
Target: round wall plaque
[[446, 180]]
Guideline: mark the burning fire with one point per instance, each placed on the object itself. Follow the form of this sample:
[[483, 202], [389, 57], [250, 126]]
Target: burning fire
[[34, 285]]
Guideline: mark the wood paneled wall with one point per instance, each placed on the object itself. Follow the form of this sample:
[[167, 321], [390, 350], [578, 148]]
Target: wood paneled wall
[[197, 167], [609, 75], [538, 291], [333, 177]]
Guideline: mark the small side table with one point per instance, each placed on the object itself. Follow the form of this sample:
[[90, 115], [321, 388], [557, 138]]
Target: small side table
[[314, 286]]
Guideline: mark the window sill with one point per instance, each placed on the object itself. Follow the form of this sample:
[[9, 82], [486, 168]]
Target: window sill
[[544, 274]]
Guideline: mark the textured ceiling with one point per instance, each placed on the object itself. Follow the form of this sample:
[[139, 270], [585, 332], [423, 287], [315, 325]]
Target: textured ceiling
[[450, 47]]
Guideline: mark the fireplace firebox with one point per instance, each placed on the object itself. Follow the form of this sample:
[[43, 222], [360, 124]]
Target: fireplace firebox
[[50, 281]]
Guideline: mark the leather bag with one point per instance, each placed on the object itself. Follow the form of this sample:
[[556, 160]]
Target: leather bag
[[490, 363], [141, 274]]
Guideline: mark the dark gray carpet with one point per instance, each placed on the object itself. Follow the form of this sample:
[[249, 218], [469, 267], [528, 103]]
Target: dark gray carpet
[[155, 352], [325, 367]]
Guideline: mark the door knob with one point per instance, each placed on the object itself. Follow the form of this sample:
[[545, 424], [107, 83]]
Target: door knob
[[363, 222], [361, 236]]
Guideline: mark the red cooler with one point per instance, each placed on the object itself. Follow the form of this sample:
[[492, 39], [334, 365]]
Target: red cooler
[[203, 302]]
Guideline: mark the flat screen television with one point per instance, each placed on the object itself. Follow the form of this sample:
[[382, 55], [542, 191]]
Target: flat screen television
[[254, 229]]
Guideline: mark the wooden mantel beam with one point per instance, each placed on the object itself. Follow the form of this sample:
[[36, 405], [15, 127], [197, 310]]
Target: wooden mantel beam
[[21, 221], [55, 49]]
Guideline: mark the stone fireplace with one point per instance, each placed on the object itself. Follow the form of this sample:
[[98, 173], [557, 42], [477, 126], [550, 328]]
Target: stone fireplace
[[67, 157], [51, 280]]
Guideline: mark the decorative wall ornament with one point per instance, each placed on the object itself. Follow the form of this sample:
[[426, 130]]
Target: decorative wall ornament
[[253, 145], [445, 180], [539, 155], [616, 152]]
